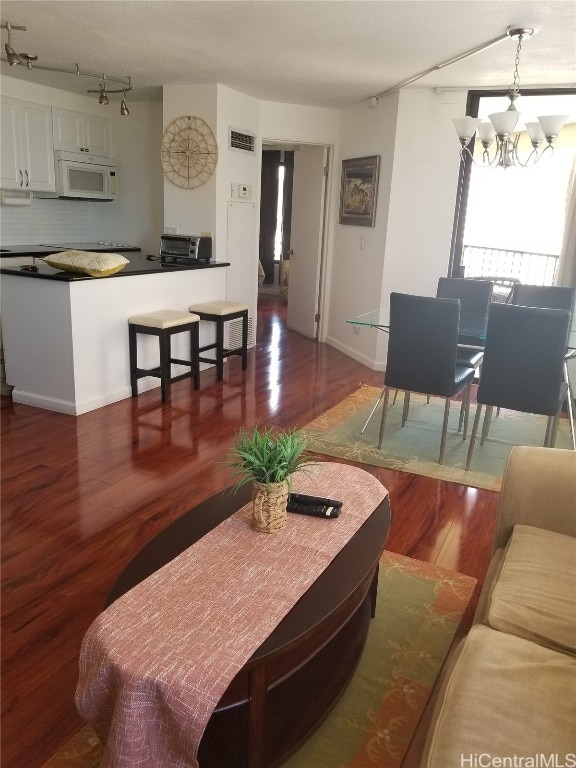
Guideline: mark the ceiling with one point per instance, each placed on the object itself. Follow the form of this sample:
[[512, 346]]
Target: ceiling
[[330, 53]]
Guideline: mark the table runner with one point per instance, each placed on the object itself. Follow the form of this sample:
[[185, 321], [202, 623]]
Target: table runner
[[155, 663]]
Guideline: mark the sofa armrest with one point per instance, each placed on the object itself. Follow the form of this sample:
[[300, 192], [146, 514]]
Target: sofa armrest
[[538, 489]]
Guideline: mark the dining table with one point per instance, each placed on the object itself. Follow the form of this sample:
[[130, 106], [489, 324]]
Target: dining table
[[472, 333]]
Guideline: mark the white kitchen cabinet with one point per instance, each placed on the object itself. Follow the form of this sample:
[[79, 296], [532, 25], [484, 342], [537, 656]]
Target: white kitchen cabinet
[[27, 153], [77, 132]]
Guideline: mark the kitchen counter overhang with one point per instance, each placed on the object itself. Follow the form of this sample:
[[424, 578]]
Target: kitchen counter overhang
[[138, 265], [66, 336]]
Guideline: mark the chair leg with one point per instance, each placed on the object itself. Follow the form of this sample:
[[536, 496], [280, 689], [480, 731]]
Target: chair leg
[[406, 407], [554, 429], [220, 349], [194, 344], [133, 351], [486, 424], [473, 435], [245, 341], [395, 396], [383, 419], [444, 430], [165, 371], [467, 411], [376, 404]]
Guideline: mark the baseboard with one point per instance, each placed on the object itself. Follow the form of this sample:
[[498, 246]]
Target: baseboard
[[355, 355]]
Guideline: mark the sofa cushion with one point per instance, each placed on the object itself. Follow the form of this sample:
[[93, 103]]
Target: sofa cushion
[[535, 593], [505, 696]]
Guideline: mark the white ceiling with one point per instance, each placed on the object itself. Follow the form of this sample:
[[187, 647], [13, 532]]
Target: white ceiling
[[329, 53]]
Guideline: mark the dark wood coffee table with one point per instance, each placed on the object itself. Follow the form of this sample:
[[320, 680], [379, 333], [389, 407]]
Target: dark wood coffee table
[[296, 676]]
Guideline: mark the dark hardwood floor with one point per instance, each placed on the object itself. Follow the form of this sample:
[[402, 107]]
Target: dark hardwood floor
[[81, 495]]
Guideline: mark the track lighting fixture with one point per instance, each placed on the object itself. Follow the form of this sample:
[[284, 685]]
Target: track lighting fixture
[[28, 60]]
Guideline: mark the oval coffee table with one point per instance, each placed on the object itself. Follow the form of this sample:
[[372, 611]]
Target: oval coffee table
[[292, 681]]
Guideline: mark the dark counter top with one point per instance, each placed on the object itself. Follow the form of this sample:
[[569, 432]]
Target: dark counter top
[[138, 265], [45, 250]]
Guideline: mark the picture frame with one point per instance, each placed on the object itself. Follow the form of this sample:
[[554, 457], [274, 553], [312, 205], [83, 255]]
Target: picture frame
[[359, 191]]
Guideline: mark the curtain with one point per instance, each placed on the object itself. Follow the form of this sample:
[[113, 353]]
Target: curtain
[[268, 208], [287, 211], [566, 274]]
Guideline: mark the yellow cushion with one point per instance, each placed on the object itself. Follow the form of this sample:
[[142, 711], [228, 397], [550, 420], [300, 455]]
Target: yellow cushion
[[505, 696], [535, 593], [87, 263]]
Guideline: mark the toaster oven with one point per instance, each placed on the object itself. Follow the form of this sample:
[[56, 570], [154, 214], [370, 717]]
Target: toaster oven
[[185, 249]]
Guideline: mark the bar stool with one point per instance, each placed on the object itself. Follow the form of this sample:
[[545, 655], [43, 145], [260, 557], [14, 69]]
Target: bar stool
[[221, 312], [164, 324]]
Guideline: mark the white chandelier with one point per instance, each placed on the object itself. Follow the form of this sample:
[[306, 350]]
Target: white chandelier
[[500, 130]]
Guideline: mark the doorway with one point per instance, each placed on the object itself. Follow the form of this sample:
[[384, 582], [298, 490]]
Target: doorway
[[299, 263]]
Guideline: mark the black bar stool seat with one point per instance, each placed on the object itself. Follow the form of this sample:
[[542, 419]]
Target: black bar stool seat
[[164, 324], [221, 312]]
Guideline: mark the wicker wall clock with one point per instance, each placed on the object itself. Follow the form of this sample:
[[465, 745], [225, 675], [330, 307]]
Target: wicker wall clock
[[189, 152]]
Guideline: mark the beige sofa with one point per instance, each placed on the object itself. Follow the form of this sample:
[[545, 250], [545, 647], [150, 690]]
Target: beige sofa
[[508, 692]]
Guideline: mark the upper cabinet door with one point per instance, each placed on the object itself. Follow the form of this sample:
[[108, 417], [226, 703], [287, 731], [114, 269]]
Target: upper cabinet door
[[11, 166], [27, 161], [36, 125], [77, 132], [68, 132], [97, 135]]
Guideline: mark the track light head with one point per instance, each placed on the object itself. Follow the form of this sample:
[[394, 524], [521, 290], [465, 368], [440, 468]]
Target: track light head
[[124, 108], [103, 98], [11, 55]]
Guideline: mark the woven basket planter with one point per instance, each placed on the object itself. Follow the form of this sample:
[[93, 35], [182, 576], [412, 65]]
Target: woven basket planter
[[269, 506]]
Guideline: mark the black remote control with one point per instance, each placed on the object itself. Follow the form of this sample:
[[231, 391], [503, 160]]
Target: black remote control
[[316, 506]]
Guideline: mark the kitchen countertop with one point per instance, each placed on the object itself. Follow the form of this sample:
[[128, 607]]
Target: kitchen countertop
[[139, 264], [46, 250]]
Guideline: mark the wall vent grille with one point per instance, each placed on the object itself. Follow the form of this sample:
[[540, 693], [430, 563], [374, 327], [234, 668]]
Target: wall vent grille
[[235, 333], [244, 142]]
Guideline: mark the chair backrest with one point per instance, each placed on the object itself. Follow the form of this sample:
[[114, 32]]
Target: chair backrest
[[422, 345], [475, 297], [523, 358], [545, 296]]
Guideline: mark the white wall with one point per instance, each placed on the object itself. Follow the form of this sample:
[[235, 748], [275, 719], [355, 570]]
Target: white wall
[[191, 211], [409, 248], [137, 216], [356, 276]]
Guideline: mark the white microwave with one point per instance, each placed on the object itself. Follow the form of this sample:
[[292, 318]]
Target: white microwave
[[85, 177]]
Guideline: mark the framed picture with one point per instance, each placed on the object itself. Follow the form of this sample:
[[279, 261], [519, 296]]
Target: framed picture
[[359, 191]]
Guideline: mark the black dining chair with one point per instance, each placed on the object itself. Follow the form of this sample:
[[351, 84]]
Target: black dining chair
[[550, 297], [422, 349], [523, 366], [475, 298], [543, 296]]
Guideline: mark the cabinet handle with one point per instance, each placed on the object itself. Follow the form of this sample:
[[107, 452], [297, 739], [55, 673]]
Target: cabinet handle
[[27, 179], [21, 177]]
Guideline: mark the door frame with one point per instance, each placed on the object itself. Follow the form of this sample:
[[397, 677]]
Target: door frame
[[324, 207]]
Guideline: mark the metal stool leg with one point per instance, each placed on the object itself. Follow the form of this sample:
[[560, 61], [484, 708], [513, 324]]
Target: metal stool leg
[[165, 383]]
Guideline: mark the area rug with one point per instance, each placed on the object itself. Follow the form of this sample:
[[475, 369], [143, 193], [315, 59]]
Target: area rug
[[415, 447], [419, 609]]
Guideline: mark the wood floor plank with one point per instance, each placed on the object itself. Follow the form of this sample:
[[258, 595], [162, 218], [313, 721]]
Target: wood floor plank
[[81, 495]]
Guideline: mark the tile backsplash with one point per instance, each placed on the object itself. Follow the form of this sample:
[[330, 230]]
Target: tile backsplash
[[47, 221]]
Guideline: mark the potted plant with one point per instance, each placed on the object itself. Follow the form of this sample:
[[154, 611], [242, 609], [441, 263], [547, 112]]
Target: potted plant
[[268, 459]]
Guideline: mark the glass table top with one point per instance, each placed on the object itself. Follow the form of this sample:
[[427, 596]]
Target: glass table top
[[471, 325]]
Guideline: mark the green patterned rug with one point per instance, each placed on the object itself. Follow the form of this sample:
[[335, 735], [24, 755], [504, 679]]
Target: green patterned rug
[[415, 447], [419, 609]]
